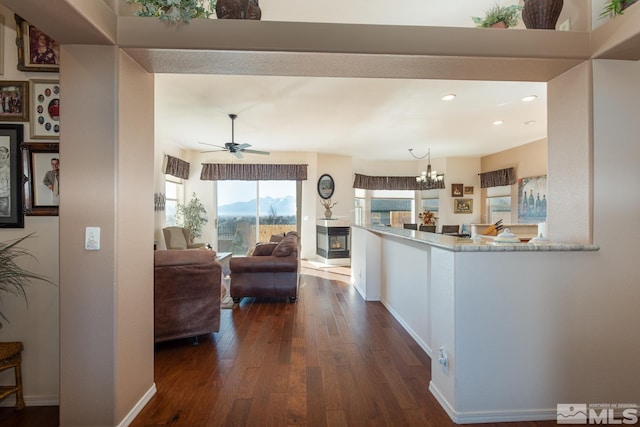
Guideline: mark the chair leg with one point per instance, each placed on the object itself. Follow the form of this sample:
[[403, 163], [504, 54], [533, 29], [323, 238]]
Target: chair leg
[[293, 299], [236, 300], [19, 395]]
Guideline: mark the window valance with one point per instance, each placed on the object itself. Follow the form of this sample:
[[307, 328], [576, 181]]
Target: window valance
[[253, 172], [390, 183], [176, 167], [497, 178]]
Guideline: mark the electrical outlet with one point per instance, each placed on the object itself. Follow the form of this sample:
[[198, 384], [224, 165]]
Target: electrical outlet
[[443, 359]]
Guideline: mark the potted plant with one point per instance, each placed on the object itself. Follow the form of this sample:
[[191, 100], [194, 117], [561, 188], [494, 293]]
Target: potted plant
[[192, 216], [616, 7], [175, 10], [499, 16], [14, 278]]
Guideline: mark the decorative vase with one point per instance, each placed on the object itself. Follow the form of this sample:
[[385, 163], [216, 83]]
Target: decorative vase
[[327, 213], [541, 14], [238, 9]]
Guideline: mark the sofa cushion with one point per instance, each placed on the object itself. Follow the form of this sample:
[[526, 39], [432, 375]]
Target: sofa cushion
[[263, 249], [276, 238], [173, 257], [286, 247]]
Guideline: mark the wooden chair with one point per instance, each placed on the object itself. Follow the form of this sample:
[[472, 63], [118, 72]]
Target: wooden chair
[[11, 357], [428, 228], [450, 229], [410, 226]]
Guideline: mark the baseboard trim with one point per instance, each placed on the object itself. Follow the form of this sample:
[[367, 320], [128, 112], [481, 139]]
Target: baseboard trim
[[407, 328], [33, 400], [138, 407], [478, 417]]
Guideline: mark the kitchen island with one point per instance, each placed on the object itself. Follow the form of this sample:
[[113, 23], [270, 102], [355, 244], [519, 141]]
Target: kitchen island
[[499, 321]]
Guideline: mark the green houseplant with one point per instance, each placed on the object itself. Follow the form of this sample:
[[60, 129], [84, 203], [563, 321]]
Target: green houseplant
[[192, 216], [616, 7], [175, 10], [14, 278], [499, 16]]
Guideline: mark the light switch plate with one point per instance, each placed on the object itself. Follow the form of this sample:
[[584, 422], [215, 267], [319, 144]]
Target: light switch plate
[[92, 238]]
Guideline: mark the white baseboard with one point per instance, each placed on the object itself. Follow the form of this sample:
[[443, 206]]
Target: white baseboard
[[407, 328], [51, 400], [138, 407], [491, 416]]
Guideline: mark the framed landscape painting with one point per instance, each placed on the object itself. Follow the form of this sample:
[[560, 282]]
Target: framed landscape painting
[[11, 176]]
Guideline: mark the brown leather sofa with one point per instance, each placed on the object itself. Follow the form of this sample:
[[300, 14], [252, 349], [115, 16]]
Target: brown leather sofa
[[186, 294], [272, 270]]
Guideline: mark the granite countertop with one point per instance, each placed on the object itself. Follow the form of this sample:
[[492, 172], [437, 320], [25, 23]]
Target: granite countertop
[[485, 244]]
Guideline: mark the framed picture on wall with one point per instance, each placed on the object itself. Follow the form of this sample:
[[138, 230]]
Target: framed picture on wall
[[456, 190], [45, 109], [14, 101], [463, 206], [42, 172], [11, 177], [468, 189], [36, 50]]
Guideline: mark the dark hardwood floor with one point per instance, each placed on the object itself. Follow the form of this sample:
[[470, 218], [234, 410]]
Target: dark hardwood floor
[[331, 359]]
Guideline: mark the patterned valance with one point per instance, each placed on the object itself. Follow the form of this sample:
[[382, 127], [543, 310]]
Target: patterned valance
[[497, 178], [253, 172], [391, 183], [176, 167]]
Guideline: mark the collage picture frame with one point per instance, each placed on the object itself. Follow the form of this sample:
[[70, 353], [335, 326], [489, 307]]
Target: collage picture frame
[[45, 109]]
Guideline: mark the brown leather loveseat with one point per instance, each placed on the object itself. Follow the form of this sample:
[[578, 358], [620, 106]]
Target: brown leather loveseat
[[273, 270], [186, 294]]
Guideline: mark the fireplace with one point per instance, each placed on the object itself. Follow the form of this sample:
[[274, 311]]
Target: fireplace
[[333, 242]]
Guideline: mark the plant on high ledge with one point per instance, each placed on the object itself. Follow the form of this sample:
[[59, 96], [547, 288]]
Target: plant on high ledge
[[499, 17], [616, 7], [192, 216], [175, 10], [14, 278]]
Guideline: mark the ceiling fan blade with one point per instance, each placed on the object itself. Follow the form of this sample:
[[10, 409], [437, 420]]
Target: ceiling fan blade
[[211, 145], [237, 154], [256, 152], [212, 151], [242, 146]]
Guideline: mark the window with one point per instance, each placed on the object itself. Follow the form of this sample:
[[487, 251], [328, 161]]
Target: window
[[392, 207], [253, 211], [431, 204], [174, 190], [499, 204]]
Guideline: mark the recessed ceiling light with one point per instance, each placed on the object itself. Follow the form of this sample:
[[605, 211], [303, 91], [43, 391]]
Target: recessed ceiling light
[[529, 122], [449, 97], [529, 98], [498, 122]]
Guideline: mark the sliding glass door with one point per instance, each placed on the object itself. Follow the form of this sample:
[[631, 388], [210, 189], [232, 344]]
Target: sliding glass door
[[252, 211]]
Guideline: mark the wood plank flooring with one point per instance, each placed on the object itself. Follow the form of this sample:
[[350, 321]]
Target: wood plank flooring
[[331, 359]]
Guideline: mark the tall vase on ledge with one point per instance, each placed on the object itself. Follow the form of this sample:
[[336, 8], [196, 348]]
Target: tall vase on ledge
[[541, 14]]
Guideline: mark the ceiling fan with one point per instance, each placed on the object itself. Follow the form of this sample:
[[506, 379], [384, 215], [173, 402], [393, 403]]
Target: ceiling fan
[[233, 147]]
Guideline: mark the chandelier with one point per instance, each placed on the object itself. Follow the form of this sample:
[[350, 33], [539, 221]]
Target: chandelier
[[430, 178]]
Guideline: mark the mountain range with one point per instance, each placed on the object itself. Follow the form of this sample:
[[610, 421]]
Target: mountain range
[[281, 206]]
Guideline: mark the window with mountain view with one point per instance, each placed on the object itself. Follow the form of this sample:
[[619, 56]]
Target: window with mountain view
[[252, 211]]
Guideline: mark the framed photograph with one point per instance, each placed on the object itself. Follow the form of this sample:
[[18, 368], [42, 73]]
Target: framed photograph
[[456, 190], [463, 206], [14, 101], [36, 50], [468, 189], [45, 109], [11, 176], [42, 185], [1, 44]]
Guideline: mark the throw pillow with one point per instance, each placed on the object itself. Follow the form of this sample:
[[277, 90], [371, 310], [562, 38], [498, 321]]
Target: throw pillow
[[285, 247], [276, 238], [263, 249]]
